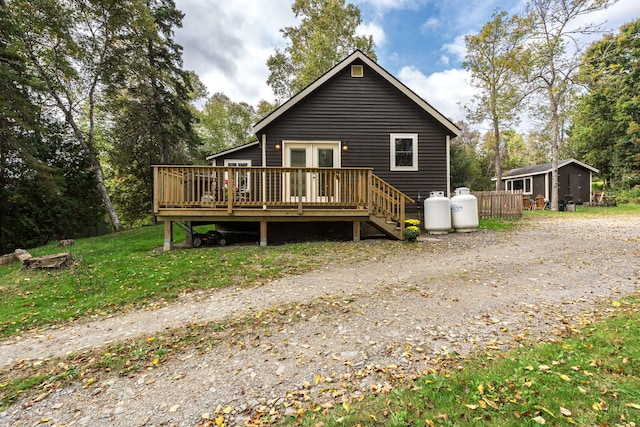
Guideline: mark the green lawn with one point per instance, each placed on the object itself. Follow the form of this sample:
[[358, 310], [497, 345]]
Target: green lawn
[[121, 271], [591, 378]]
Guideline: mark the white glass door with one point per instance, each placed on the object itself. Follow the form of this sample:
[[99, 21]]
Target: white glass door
[[317, 185]]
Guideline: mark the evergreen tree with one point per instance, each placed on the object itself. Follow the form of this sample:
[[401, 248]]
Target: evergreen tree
[[149, 100]]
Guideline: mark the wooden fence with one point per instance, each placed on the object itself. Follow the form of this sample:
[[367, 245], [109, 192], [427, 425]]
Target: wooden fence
[[499, 204]]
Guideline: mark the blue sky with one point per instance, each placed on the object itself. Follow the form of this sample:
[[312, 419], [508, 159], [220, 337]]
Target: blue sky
[[421, 42]]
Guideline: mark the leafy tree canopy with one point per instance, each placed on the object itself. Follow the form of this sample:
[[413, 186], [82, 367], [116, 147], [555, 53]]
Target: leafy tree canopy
[[325, 36], [606, 123]]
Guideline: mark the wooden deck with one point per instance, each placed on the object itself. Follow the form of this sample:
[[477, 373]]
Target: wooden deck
[[268, 194]]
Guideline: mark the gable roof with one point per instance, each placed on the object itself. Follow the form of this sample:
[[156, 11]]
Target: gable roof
[[358, 54], [542, 169], [232, 150]]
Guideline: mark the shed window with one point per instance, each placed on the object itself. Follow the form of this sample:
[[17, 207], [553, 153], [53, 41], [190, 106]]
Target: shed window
[[404, 151], [524, 184]]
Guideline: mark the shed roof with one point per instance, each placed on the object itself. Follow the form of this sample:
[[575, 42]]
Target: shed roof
[[233, 150], [358, 54], [542, 169]]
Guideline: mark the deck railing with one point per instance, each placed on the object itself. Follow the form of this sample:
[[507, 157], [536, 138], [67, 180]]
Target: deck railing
[[388, 201], [217, 187]]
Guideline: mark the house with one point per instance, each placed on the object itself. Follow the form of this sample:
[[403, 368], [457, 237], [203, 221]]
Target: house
[[574, 180], [356, 146]]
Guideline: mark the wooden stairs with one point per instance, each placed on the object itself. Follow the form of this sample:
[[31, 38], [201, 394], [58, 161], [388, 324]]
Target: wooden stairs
[[388, 208]]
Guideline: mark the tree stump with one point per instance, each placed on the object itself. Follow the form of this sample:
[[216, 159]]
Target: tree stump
[[52, 262]]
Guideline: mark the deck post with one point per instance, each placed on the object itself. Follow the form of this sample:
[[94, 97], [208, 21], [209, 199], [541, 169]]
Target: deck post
[[263, 233], [188, 233], [168, 236], [356, 231]]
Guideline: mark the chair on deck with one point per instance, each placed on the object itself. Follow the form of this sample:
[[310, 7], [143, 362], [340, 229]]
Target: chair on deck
[[541, 203], [598, 198], [527, 203]]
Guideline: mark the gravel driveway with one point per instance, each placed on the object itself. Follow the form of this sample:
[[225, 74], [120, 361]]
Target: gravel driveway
[[473, 290]]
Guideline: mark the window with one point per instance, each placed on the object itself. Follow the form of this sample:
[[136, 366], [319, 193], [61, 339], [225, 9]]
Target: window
[[404, 151], [241, 178], [357, 71], [524, 184]]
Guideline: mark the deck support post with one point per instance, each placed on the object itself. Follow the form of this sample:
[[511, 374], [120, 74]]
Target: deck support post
[[188, 233], [168, 236], [263, 233], [356, 231]]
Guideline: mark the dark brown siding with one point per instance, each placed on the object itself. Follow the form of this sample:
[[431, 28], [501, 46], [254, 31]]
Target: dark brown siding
[[573, 179], [362, 113], [538, 185], [253, 153]]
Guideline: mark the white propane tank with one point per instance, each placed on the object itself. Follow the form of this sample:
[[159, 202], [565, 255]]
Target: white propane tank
[[464, 211], [437, 213]]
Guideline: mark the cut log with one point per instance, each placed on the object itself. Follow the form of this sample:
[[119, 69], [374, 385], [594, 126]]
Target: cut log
[[54, 262], [66, 242], [7, 259], [19, 255]]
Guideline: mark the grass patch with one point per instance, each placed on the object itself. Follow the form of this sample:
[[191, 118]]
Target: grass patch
[[591, 211], [122, 271], [589, 378], [500, 224]]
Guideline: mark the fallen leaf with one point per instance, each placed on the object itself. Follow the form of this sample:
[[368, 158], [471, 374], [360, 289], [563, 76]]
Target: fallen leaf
[[542, 408], [346, 407], [540, 420], [565, 412], [174, 408], [89, 382], [491, 403], [616, 303], [633, 405], [473, 407], [565, 377]]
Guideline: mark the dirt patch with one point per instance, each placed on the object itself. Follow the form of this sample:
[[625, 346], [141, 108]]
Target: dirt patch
[[348, 330]]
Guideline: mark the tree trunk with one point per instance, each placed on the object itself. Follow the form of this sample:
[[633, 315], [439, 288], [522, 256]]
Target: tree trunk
[[497, 157], [555, 137], [70, 120]]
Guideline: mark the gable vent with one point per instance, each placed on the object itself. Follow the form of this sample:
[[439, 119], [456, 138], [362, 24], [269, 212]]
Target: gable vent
[[357, 71]]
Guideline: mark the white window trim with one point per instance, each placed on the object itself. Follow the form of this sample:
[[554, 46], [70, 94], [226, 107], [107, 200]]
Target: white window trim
[[526, 182], [392, 159]]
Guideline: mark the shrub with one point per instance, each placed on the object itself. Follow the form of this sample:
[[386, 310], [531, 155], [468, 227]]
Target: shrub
[[411, 233]]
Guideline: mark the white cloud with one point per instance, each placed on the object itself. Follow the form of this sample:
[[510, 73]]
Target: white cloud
[[227, 44], [445, 90], [457, 48], [372, 29], [430, 24]]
